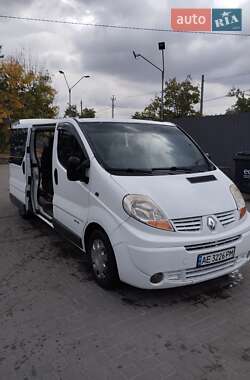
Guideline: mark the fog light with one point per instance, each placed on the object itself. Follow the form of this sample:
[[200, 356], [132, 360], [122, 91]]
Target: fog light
[[156, 278]]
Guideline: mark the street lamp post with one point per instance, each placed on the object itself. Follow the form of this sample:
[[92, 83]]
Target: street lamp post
[[71, 87], [1, 56], [161, 46]]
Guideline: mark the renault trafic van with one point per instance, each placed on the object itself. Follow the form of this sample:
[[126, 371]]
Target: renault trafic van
[[140, 198]]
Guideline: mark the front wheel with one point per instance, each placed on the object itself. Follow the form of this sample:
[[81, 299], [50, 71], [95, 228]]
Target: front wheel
[[102, 259]]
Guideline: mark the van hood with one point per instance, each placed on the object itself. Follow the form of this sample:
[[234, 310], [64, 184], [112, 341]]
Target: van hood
[[178, 197]]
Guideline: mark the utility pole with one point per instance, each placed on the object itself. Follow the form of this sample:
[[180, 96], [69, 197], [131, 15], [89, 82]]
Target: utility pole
[[202, 93], [113, 99], [1, 55], [162, 48], [81, 106]]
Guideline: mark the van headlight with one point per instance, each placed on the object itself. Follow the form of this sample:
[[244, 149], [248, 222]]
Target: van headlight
[[143, 209], [239, 200]]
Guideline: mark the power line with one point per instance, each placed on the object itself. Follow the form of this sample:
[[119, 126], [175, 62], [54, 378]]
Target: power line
[[126, 27], [230, 76], [213, 78], [224, 96], [209, 79], [142, 94], [103, 108], [216, 98]]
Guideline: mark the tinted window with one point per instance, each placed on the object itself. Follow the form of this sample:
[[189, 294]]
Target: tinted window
[[149, 147], [68, 146], [18, 138]]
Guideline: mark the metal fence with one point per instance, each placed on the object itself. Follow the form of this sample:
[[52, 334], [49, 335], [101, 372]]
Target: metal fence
[[221, 136]]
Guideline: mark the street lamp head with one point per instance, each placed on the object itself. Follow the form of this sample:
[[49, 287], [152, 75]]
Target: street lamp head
[[86, 76], [135, 55], [61, 72], [161, 45]]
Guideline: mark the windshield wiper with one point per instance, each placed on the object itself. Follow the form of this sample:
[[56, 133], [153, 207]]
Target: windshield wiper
[[169, 170], [175, 169], [131, 170]]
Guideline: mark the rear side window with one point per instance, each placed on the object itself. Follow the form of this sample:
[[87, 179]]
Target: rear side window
[[18, 138], [68, 146]]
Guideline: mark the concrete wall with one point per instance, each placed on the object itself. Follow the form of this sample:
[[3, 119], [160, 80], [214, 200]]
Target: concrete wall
[[221, 136]]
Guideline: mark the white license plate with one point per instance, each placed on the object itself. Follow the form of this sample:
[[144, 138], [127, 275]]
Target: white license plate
[[215, 257]]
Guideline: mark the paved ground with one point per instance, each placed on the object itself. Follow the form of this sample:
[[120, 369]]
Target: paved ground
[[4, 157], [56, 323]]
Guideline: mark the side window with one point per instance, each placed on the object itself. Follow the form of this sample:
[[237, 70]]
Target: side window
[[68, 146], [18, 138], [44, 145]]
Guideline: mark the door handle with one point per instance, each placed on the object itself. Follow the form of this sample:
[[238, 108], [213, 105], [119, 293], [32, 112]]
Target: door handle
[[23, 167], [56, 176]]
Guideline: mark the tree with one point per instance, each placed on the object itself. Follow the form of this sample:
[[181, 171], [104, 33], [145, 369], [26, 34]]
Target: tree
[[25, 92], [179, 101], [242, 103], [71, 111], [88, 113]]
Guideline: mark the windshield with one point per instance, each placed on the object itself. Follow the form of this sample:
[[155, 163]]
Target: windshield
[[143, 148]]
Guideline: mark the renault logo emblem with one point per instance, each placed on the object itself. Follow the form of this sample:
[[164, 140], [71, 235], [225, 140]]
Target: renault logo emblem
[[211, 223]]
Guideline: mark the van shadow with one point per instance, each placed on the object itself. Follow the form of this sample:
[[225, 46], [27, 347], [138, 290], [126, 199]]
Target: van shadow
[[59, 250], [200, 294]]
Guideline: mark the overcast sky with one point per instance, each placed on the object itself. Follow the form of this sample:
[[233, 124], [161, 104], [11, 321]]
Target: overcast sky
[[106, 54]]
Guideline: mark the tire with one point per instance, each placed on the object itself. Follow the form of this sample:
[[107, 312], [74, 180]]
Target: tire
[[102, 260]]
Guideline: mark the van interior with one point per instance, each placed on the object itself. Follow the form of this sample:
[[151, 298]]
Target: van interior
[[41, 166]]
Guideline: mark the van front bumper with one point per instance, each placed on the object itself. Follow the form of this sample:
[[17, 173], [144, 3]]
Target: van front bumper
[[139, 259]]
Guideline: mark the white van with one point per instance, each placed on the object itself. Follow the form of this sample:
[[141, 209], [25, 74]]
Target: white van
[[140, 198]]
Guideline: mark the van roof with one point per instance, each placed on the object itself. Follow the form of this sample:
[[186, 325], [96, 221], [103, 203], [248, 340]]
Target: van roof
[[28, 123], [96, 120]]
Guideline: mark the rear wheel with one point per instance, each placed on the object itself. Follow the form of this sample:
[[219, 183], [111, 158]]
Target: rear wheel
[[102, 259]]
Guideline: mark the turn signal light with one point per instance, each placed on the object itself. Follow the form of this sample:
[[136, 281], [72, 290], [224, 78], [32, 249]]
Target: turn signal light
[[161, 224], [243, 210]]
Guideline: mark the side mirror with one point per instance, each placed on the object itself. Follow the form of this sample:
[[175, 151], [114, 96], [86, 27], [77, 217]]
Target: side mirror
[[76, 170]]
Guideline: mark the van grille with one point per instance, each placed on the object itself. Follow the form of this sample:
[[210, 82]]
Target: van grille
[[187, 224], [212, 244], [226, 218], [194, 224]]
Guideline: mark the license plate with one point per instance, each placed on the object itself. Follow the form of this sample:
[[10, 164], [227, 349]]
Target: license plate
[[215, 257]]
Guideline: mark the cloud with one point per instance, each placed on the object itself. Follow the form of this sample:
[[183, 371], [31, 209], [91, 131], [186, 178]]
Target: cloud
[[106, 54]]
